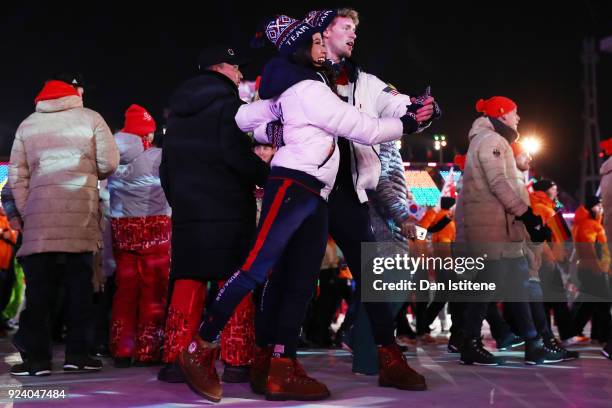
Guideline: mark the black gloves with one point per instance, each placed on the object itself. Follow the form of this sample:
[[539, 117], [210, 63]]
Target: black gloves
[[411, 110], [409, 122], [538, 232]]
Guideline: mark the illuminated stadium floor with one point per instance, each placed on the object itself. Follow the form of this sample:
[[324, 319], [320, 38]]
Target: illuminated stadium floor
[[583, 383]]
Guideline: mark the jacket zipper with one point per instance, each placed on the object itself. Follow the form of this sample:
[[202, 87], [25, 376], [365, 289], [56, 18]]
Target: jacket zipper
[[352, 147], [376, 153], [507, 227], [356, 166]]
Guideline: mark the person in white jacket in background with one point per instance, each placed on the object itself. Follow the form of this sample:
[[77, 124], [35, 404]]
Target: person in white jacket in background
[[360, 170], [293, 223]]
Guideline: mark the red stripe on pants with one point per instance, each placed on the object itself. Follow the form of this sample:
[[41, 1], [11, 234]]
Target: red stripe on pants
[[267, 224]]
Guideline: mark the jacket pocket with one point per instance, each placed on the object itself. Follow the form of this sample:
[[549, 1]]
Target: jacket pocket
[[329, 156]]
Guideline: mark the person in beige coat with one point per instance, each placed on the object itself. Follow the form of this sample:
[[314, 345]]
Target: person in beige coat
[[60, 153], [493, 219]]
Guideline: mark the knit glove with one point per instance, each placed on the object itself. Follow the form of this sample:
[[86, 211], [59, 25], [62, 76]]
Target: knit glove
[[274, 131]]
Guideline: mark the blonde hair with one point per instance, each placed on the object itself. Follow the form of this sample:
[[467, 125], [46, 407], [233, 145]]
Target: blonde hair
[[350, 13]]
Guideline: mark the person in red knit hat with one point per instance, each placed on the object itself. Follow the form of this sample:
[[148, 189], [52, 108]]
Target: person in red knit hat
[[140, 122], [496, 106], [493, 187], [140, 220], [60, 153]]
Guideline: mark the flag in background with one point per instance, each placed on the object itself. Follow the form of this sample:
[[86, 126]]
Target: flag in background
[[416, 210], [559, 227]]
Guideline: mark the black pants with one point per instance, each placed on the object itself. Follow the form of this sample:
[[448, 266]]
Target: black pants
[[592, 303], [457, 312], [436, 306], [349, 225], [331, 292], [103, 305], [513, 275], [402, 324], [538, 311], [556, 299], [500, 327], [45, 273], [419, 308], [7, 279]]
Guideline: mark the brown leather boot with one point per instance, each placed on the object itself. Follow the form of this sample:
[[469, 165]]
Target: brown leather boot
[[394, 370], [287, 380], [258, 376], [197, 362]]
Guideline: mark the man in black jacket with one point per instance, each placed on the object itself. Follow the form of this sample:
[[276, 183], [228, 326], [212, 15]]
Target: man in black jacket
[[208, 172]]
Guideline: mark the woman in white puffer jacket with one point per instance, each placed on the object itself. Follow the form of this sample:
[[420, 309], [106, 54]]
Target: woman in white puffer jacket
[[312, 117], [293, 224]]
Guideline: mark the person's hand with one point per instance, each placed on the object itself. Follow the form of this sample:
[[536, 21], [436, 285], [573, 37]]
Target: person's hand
[[424, 113], [535, 226], [6, 235], [408, 228]]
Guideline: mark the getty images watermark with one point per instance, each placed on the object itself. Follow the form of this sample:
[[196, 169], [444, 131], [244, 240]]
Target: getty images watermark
[[411, 265], [482, 272]]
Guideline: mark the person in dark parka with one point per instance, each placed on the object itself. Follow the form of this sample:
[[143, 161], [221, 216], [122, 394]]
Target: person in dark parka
[[208, 172]]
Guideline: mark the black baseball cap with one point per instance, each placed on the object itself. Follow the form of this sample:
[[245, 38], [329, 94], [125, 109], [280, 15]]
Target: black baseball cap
[[218, 54]]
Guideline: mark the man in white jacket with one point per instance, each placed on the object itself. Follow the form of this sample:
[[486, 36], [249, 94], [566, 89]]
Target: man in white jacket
[[360, 168]]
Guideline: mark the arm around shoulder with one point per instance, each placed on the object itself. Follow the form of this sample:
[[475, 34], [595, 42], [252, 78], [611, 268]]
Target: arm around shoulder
[[327, 111]]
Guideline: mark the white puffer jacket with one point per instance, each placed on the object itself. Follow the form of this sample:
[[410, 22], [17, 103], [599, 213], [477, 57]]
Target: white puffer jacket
[[312, 116]]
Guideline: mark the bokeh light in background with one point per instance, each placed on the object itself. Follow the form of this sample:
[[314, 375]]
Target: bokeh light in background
[[531, 143]]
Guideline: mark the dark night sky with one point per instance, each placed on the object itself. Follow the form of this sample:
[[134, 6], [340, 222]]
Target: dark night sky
[[529, 51]]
